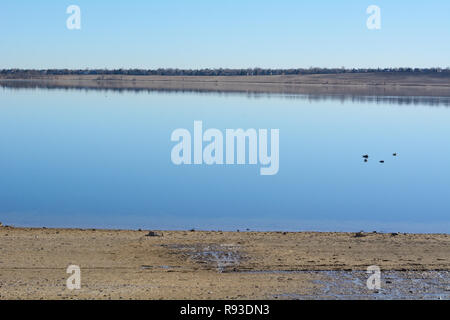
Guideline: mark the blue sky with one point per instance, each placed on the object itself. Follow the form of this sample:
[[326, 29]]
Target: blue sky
[[229, 34]]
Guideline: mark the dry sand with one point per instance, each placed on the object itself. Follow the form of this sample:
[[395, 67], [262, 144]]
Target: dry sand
[[220, 265]]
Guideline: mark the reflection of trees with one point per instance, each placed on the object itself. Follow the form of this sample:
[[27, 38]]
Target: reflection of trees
[[312, 97]]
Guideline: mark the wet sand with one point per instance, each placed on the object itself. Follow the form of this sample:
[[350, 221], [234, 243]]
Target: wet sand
[[126, 264], [357, 84]]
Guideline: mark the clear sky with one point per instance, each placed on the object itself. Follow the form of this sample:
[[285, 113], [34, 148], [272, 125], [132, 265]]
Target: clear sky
[[229, 34]]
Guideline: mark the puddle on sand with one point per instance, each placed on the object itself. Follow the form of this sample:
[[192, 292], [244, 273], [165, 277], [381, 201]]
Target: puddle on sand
[[423, 285], [223, 257]]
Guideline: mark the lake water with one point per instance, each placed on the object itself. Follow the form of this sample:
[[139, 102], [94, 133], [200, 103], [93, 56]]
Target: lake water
[[101, 159]]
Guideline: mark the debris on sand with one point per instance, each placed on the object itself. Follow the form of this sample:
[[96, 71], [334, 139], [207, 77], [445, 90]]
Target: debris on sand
[[220, 257], [360, 234], [153, 234]]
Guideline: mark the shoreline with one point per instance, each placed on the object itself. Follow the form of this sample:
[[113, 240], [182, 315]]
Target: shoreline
[[370, 84], [130, 264], [223, 230]]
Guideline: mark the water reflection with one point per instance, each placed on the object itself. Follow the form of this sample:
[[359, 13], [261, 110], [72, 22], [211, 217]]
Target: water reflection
[[78, 157], [433, 101]]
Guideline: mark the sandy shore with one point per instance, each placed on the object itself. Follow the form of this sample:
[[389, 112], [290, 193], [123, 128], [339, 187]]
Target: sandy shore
[[220, 265], [358, 84]]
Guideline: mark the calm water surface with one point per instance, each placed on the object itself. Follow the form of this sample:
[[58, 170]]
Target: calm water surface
[[74, 158]]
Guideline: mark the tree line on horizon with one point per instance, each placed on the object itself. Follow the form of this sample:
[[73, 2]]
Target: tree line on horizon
[[213, 72]]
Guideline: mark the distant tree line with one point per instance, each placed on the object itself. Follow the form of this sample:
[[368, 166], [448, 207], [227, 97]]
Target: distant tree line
[[213, 72]]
